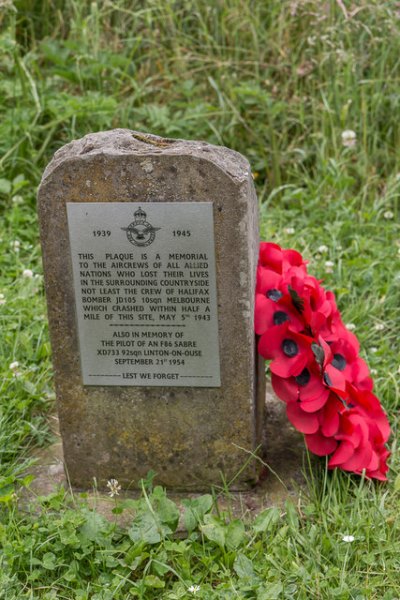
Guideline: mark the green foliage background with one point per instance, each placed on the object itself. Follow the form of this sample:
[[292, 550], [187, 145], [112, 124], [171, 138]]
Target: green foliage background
[[278, 81]]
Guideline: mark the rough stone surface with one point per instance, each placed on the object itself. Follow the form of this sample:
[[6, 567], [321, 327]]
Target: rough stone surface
[[189, 436]]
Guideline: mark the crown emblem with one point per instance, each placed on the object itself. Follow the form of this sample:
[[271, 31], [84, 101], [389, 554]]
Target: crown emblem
[[140, 215]]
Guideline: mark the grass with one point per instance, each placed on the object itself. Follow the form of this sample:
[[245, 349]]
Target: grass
[[279, 81]]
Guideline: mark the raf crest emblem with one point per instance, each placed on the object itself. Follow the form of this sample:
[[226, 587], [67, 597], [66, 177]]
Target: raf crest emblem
[[140, 232]]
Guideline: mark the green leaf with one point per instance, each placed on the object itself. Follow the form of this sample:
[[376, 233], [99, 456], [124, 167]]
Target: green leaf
[[235, 534], [272, 592], [243, 567], [145, 529], [319, 353], [266, 519], [213, 530], [29, 387], [298, 302], [166, 509], [26, 480], [94, 527], [153, 581], [156, 518], [147, 482], [49, 561], [6, 493], [292, 515], [5, 186], [195, 509], [397, 484]]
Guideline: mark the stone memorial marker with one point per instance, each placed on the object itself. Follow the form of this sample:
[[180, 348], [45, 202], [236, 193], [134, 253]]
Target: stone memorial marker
[[150, 248]]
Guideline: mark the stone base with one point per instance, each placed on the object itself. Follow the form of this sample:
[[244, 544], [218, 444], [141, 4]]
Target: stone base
[[282, 475]]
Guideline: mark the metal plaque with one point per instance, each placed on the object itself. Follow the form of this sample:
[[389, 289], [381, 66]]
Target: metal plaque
[[145, 293]]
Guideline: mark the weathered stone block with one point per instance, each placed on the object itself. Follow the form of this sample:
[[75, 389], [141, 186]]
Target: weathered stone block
[[188, 434]]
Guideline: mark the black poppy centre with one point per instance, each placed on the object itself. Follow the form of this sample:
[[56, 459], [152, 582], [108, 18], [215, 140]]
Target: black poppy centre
[[274, 295], [290, 348], [303, 378], [339, 362], [280, 317]]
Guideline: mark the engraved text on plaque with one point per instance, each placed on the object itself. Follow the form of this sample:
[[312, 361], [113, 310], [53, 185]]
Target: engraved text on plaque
[[145, 293]]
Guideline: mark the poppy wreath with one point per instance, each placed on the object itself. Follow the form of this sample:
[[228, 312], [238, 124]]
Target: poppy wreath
[[316, 368]]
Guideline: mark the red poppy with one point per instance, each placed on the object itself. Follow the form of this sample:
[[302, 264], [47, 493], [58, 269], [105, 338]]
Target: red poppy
[[279, 260], [304, 422], [331, 377], [316, 308], [307, 388], [380, 472], [316, 368], [320, 444], [275, 309], [267, 279], [290, 351], [355, 451], [330, 416], [271, 256], [368, 405]]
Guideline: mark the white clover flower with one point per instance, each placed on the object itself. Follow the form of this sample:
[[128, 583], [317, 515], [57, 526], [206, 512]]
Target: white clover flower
[[14, 368], [27, 273], [323, 249], [388, 215], [379, 327], [289, 230], [2, 299], [114, 487], [348, 539], [329, 263], [374, 372], [349, 138], [16, 245], [374, 349], [193, 589], [17, 199], [350, 326]]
